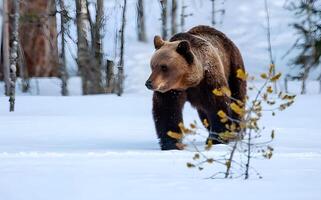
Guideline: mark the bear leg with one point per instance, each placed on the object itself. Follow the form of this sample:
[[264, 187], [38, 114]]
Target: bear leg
[[203, 116], [216, 126], [167, 113]]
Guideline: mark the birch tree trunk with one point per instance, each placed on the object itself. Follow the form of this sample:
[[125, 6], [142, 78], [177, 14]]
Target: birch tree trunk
[[120, 75], [141, 21], [174, 17], [5, 46], [63, 29], [89, 70], [14, 54], [164, 18]]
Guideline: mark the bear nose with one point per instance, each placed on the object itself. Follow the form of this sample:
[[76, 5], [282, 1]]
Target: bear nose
[[149, 84]]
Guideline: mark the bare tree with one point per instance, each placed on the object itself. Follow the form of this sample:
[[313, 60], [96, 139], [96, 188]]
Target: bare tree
[[120, 75], [216, 11], [174, 17], [88, 67], [213, 13], [183, 15], [308, 64], [308, 27], [164, 18], [99, 25], [268, 35], [110, 77], [141, 32], [63, 71]]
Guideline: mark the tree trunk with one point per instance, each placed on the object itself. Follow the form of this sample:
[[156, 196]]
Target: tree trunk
[[164, 18], [5, 46], [173, 19], [286, 89], [213, 13], [82, 45], [120, 76], [304, 78], [89, 70], [63, 29], [23, 71], [319, 79], [141, 32], [99, 25], [110, 77], [14, 54], [183, 16], [38, 36]]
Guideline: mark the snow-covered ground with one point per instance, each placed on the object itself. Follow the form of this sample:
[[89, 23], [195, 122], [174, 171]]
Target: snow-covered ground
[[104, 147]]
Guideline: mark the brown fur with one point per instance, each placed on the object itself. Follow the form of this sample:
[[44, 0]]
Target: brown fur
[[197, 62], [38, 36]]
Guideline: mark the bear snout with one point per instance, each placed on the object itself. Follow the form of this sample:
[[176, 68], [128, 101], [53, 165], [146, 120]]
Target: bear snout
[[149, 84]]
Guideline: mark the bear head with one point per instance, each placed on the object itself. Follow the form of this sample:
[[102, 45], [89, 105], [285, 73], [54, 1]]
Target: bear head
[[174, 66]]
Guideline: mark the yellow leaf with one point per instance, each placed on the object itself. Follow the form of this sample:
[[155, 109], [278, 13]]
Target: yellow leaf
[[236, 109], [174, 135], [232, 127], [223, 120], [222, 91], [209, 145], [193, 126], [221, 114], [228, 163], [276, 77], [227, 135], [241, 74], [269, 89], [264, 76], [205, 122], [184, 129], [240, 103], [217, 92], [272, 67], [226, 91], [190, 165]]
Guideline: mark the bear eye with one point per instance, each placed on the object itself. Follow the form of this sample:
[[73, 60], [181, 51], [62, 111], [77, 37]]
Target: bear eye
[[164, 68]]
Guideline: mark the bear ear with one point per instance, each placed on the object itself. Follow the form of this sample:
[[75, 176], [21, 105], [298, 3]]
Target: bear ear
[[158, 42], [184, 48]]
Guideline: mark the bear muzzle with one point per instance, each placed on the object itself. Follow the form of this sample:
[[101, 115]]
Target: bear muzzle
[[149, 84]]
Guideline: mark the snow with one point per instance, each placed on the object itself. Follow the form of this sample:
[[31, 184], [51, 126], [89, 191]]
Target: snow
[[105, 146]]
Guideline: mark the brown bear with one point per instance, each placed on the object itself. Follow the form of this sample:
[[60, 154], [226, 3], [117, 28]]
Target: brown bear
[[189, 67]]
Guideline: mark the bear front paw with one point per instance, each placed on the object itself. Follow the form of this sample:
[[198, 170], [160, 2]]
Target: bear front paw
[[165, 146], [215, 139]]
